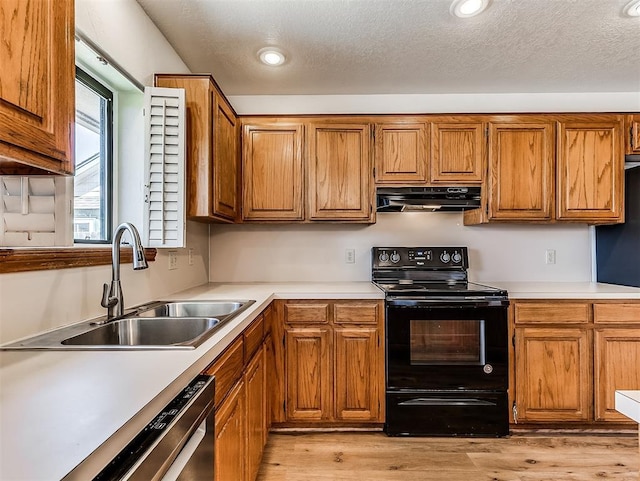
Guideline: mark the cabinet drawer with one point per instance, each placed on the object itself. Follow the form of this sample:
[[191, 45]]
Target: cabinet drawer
[[361, 313], [306, 313], [616, 313], [227, 369], [253, 336], [552, 312]]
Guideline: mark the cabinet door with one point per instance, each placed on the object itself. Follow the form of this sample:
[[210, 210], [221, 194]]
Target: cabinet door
[[617, 357], [37, 95], [230, 437], [256, 411], [521, 176], [457, 152], [270, 385], [227, 369], [356, 381], [340, 172], [553, 374], [225, 160], [401, 153], [633, 129], [308, 377], [591, 170], [272, 172]]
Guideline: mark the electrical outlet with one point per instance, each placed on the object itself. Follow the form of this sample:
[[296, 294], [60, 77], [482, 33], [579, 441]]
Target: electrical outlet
[[550, 256], [350, 256], [190, 256], [173, 260]]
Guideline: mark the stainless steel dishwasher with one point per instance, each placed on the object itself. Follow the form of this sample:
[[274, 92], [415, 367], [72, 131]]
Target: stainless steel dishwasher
[[177, 445]]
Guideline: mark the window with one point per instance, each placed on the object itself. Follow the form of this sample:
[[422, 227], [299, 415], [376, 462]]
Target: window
[[93, 181]]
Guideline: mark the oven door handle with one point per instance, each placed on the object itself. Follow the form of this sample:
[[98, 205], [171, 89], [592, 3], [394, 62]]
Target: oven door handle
[[435, 401], [447, 302]]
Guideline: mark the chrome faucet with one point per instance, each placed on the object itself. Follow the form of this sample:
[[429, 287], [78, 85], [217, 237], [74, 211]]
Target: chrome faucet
[[112, 297]]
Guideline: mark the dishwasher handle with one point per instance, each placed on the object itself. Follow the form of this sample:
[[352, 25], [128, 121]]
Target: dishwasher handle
[[186, 454]]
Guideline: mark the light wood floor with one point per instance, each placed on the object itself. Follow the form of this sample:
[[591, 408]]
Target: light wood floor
[[376, 457]]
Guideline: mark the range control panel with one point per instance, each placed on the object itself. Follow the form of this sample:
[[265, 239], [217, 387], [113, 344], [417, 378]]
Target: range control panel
[[420, 257]]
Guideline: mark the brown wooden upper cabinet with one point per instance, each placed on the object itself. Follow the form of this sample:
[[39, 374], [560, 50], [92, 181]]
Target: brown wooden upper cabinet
[[213, 159], [633, 128], [521, 178], [272, 170], [401, 153], [37, 96], [340, 172], [295, 169], [590, 169], [429, 150], [552, 168], [457, 152]]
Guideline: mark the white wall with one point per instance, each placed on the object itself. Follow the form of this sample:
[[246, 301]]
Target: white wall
[[437, 103], [32, 302], [124, 32], [317, 252]]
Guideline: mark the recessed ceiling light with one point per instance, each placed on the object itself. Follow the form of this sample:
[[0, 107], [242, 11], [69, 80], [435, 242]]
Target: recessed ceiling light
[[633, 9], [271, 56], [468, 8]]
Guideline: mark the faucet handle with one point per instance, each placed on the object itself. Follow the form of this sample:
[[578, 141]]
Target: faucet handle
[[107, 301]]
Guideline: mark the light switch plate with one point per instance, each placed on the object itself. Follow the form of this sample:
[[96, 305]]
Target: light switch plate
[[173, 260]]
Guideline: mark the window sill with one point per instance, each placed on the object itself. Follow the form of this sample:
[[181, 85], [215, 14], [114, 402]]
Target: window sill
[[24, 260]]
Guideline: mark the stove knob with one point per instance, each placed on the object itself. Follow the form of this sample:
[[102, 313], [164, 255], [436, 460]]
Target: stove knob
[[445, 257], [395, 257], [456, 257], [384, 256]]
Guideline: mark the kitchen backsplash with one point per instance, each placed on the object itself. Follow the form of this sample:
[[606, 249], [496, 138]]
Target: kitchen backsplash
[[311, 252]]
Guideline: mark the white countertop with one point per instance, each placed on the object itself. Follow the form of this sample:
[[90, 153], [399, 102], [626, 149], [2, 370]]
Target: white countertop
[[628, 403], [566, 290], [58, 408]]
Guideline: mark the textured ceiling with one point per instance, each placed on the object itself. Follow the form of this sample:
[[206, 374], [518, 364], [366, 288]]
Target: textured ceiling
[[405, 47]]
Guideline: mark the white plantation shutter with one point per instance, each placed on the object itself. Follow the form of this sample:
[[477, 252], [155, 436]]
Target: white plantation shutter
[[35, 211], [165, 151]]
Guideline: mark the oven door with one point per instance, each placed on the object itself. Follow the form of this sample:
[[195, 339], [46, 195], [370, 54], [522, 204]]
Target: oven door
[[446, 344]]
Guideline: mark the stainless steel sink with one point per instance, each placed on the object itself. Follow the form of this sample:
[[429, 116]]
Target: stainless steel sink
[[150, 331], [154, 325], [190, 309]]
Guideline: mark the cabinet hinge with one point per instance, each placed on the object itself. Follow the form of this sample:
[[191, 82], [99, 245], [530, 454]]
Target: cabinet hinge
[[284, 406], [633, 147], [514, 409], [513, 340], [486, 132], [283, 339], [374, 172]]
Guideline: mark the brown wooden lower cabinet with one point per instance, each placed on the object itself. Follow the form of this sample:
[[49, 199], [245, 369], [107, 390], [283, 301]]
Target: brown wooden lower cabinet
[[617, 361], [553, 374], [241, 415], [357, 390], [308, 374], [332, 355], [230, 440], [256, 411], [570, 358]]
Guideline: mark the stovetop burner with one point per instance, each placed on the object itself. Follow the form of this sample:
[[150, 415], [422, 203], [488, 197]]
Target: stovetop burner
[[463, 289]]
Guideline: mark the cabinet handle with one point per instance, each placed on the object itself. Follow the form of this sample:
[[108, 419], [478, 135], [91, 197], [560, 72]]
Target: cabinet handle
[[514, 408]]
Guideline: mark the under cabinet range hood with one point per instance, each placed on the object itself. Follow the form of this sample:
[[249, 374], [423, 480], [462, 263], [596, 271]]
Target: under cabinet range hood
[[427, 199]]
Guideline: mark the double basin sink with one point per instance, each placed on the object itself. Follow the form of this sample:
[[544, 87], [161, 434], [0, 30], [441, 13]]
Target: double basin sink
[[155, 325]]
